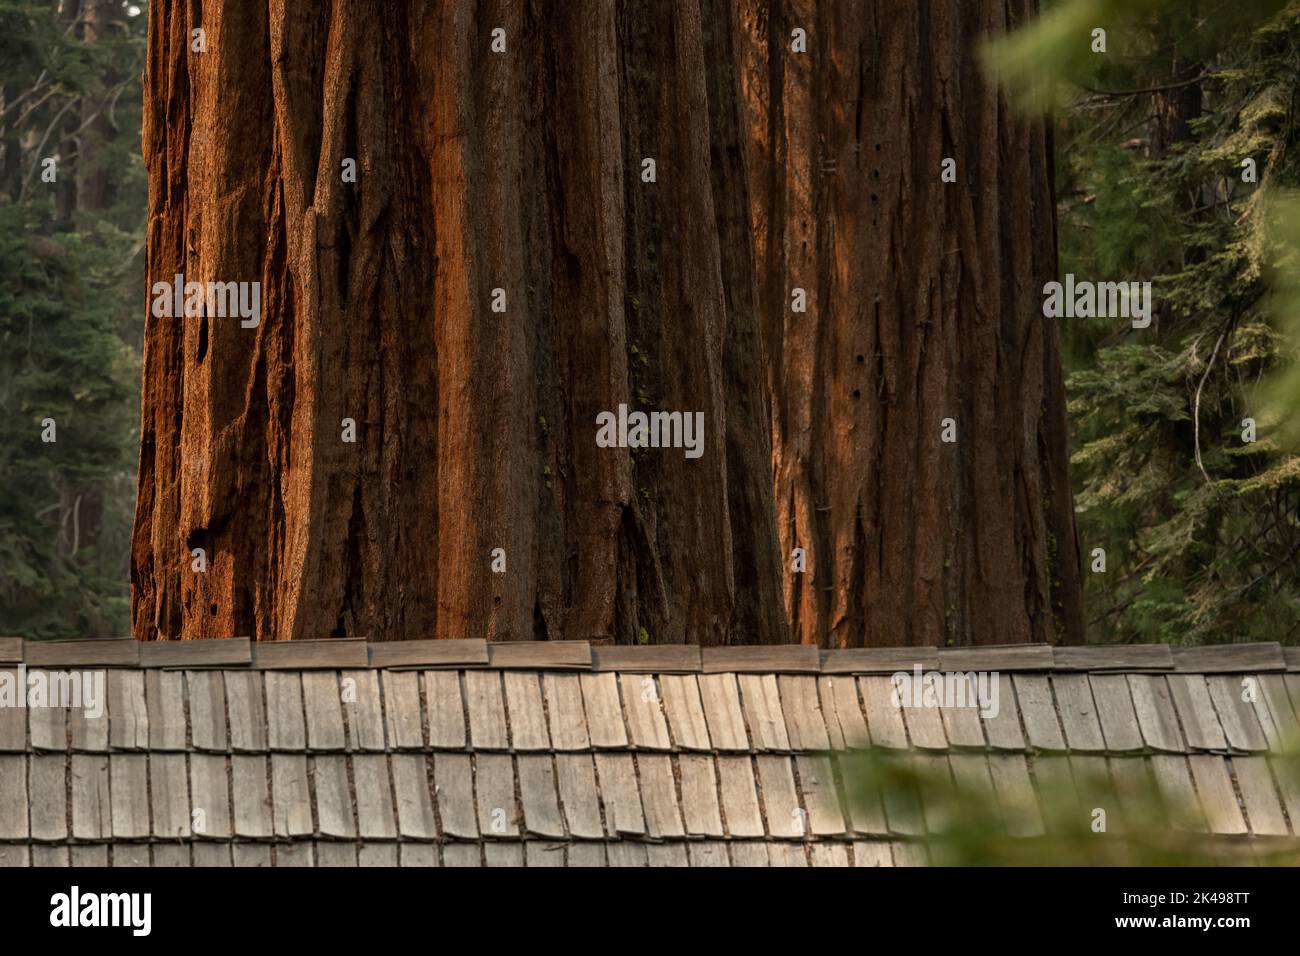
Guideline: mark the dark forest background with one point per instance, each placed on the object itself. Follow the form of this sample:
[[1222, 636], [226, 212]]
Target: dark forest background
[[1201, 530]]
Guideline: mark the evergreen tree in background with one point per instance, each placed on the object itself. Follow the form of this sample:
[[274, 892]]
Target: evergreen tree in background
[[71, 269], [1175, 145]]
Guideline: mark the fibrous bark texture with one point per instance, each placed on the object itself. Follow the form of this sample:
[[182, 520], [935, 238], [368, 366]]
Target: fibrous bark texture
[[505, 268]]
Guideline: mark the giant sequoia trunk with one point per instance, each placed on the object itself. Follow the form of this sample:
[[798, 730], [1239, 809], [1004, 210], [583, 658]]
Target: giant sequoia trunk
[[522, 171], [924, 304]]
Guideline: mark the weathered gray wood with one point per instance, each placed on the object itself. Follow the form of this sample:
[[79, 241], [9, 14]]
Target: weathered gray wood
[[659, 797], [626, 854], [787, 854], [1000, 658], [11, 650], [884, 718], [820, 795], [1154, 706], [462, 855], [1275, 699], [487, 711], [576, 776], [250, 783], [538, 854], [191, 655], [207, 697], [604, 711], [417, 854], [1057, 794], [90, 733], [685, 711], [700, 809], [866, 810], [323, 708], [720, 697], [1078, 713], [667, 854], [708, 853], [335, 854], [1002, 729], [363, 707], [453, 775], [49, 727], [1119, 657], [128, 716], [620, 794], [210, 794], [1289, 785], [938, 792], [375, 817], [494, 780], [924, 724], [170, 791], [538, 796], [91, 810], [89, 855], [73, 655], [467, 652], [871, 853], [290, 796], [972, 778], [527, 715], [761, 659], [909, 853], [649, 659], [740, 797], [644, 709], [540, 655], [1015, 794], [329, 773], [503, 854], [1178, 793], [1218, 799], [130, 855], [786, 817], [568, 719], [1034, 695], [804, 723], [13, 720], [761, 702], [1229, 658], [415, 816], [14, 855], [13, 798], [845, 725], [57, 856], [1238, 719], [49, 809], [128, 782], [961, 724], [829, 854], [878, 660], [285, 724], [442, 693], [1119, 723], [165, 699], [335, 653], [1196, 712], [402, 710], [249, 854], [1259, 794]]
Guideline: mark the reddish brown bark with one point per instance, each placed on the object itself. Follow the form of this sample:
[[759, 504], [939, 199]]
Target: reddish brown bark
[[924, 304], [476, 430]]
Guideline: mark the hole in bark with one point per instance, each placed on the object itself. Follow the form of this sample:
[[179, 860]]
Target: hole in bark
[[861, 359], [203, 338], [213, 610], [873, 197], [857, 393]]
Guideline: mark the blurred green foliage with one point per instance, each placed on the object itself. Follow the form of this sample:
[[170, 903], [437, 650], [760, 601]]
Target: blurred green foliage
[[1201, 528], [1075, 812]]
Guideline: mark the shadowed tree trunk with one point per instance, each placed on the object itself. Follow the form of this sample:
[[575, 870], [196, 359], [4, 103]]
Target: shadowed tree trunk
[[924, 304], [518, 178], [475, 430]]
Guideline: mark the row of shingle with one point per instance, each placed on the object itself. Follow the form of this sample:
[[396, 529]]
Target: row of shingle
[[414, 796], [351, 653], [533, 853], [245, 711]]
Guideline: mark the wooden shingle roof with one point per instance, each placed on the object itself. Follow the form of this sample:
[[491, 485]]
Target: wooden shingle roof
[[454, 753]]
